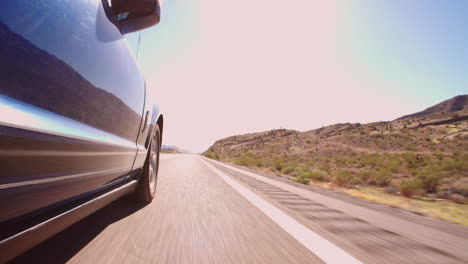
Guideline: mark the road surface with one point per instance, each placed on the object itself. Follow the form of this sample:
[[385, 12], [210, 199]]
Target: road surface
[[207, 212]]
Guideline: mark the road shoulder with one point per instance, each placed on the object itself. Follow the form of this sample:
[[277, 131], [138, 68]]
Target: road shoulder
[[432, 234]]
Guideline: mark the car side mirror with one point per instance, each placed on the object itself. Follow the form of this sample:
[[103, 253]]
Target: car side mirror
[[135, 15]]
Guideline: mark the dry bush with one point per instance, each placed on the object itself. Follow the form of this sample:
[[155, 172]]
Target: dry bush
[[383, 177], [408, 188], [288, 170], [246, 161], [318, 175], [342, 178], [304, 179], [212, 155], [429, 177]]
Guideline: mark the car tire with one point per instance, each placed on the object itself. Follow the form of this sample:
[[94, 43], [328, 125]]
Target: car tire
[[146, 188]]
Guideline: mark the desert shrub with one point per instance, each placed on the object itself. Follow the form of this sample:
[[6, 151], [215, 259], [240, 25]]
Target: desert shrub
[[408, 188], [318, 175], [240, 161], [305, 174], [278, 164], [364, 175], [382, 177], [288, 170], [326, 168], [343, 160], [429, 177], [354, 160], [310, 163], [371, 160], [209, 155], [245, 161], [300, 170], [414, 161], [376, 134], [396, 135], [302, 177], [342, 178], [411, 147], [438, 155], [458, 163], [393, 164]]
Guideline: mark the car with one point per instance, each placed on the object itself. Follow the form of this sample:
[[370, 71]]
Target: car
[[78, 126]]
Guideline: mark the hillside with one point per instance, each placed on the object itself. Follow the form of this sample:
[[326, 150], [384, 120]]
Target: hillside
[[422, 154], [172, 149], [455, 104]]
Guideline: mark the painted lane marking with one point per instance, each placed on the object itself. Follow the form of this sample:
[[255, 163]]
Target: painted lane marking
[[318, 245], [426, 235]]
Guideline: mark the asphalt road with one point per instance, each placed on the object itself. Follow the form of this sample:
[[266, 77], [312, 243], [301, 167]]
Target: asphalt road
[[205, 212]]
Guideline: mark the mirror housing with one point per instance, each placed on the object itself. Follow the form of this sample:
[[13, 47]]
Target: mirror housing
[[135, 15]]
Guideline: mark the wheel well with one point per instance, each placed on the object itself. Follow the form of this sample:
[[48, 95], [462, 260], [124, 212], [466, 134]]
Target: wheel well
[[160, 124]]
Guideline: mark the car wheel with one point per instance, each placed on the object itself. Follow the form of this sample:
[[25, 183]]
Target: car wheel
[[146, 187]]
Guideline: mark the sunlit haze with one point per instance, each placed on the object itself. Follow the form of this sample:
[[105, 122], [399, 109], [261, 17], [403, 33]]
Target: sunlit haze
[[220, 68]]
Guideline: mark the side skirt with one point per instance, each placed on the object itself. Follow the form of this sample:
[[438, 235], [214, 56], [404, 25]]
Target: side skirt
[[19, 243]]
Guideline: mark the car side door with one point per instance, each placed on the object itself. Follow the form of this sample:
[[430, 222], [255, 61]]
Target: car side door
[[71, 103]]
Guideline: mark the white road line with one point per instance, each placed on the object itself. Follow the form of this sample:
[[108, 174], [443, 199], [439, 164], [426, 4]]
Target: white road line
[[423, 234], [318, 245]]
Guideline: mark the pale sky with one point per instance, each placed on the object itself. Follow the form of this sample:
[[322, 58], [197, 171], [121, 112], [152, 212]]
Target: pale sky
[[219, 68]]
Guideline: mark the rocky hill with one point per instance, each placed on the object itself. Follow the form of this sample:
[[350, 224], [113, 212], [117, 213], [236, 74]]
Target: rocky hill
[[419, 154], [446, 108], [172, 149]]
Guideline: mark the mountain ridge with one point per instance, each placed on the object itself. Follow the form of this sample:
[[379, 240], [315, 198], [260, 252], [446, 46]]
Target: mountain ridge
[[454, 104], [173, 149], [434, 115], [424, 153]]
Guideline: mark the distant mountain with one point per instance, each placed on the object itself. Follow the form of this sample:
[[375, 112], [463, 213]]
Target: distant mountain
[[451, 111], [455, 104], [172, 149], [425, 152]]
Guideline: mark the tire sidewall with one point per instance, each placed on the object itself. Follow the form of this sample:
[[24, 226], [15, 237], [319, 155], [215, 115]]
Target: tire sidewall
[[143, 191]]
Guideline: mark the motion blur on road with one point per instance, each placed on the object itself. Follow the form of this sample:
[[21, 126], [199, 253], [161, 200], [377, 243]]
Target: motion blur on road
[[208, 212]]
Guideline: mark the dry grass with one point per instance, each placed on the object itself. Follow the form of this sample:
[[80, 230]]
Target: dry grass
[[446, 210], [457, 213]]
